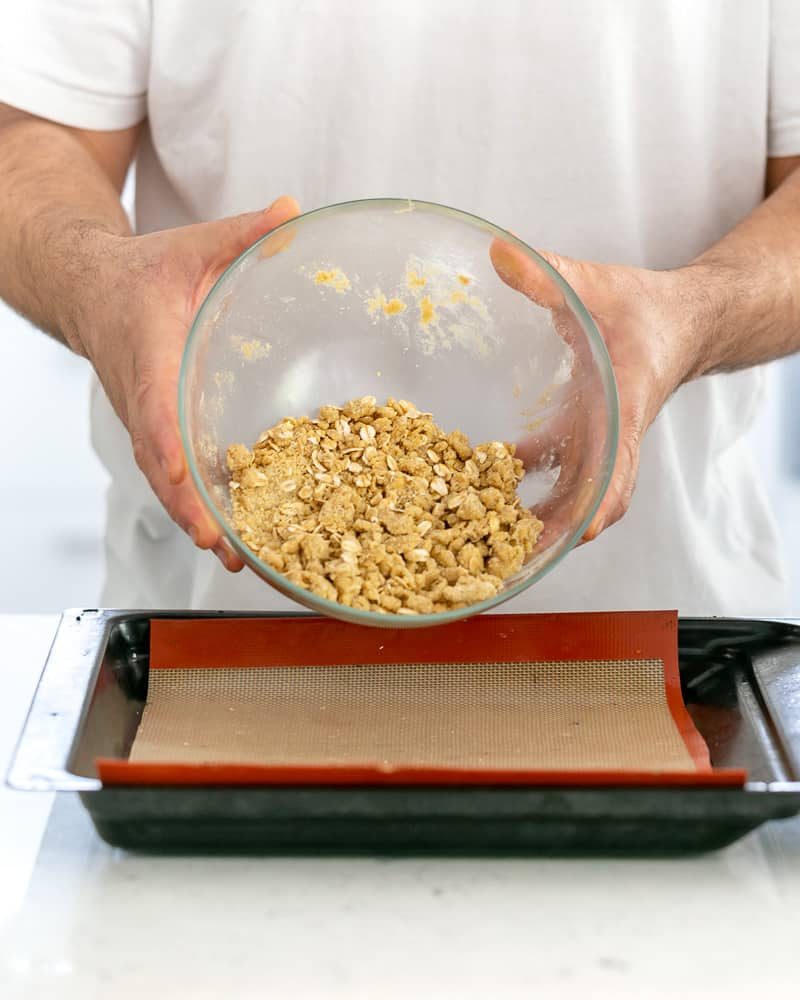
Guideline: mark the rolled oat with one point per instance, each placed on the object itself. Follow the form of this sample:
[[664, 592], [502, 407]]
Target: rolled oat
[[377, 508]]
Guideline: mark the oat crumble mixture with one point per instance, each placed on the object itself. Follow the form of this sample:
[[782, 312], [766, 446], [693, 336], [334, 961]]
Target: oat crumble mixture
[[375, 507]]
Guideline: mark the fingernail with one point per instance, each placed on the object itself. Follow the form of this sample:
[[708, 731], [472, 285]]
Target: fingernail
[[171, 471], [595, 530], [221, 552]]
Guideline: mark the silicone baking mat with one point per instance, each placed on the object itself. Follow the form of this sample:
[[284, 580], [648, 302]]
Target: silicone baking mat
[[499, 699]]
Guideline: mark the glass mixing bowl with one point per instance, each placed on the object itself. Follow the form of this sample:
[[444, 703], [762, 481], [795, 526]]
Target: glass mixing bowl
[[487, 337]]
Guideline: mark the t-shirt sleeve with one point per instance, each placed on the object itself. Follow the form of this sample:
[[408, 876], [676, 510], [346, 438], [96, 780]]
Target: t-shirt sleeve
[[784, 78], [82, 63]]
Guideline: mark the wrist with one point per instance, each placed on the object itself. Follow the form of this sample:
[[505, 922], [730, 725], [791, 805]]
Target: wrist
[[742, 310], [703, 300], [93, 270], [672, 319]]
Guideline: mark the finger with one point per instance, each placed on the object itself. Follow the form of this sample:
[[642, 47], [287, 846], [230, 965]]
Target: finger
[[634, 419], [556, 526], [223, 550], [184, 506], [223, 241], [620, 490], [575, 454], [277, 242], [517, 269], [153, 411], [549, 432], [522, 273], [158, 450], [181, 500]]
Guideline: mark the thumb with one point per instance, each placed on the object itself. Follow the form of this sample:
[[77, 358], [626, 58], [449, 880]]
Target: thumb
[[222, 241], [524, 274], [618, 497]]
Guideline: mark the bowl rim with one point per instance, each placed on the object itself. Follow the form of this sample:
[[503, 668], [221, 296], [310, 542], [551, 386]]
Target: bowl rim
[[334, 609]]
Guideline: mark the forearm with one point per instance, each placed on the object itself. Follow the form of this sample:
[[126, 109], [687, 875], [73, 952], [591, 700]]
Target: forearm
[[57, 203], [745, 290]]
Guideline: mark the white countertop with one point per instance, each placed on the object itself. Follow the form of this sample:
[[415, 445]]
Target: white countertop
[[80, 919]]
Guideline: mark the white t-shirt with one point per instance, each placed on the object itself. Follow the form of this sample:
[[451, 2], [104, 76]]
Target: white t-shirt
[[614, 130]]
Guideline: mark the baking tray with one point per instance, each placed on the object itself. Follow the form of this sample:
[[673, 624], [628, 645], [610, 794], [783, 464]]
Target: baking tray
[[741, 684]]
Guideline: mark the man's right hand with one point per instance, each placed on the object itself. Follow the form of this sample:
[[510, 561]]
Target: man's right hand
[[71, 266], [131, 322]]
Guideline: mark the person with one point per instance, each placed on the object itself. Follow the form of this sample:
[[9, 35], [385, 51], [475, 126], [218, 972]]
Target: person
[[650, 149]]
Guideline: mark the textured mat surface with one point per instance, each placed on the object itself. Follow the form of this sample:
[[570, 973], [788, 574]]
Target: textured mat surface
[[562, 716], [499, 698]]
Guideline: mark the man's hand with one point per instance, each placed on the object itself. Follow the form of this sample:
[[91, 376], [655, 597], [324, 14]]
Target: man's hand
[[71, 265], [736, 305], [131, 321], [648, 320]]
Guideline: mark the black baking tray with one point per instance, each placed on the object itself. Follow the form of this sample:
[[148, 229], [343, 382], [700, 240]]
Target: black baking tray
[[741, 684]]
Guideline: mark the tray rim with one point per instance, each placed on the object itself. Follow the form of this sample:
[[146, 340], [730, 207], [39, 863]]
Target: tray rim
[[40, 760]]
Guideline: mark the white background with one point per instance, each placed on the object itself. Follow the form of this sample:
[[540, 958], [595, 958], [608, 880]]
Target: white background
[[52, 486]]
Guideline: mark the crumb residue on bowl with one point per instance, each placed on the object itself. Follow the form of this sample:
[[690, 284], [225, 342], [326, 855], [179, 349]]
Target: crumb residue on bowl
[[334, 278], [414, 279], [470, 339], [253, 349], [429, 302], [378, 303], [448, 315], [427, 311]]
